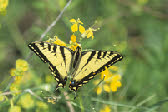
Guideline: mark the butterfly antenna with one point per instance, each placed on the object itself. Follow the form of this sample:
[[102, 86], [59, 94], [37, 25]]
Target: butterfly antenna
[[97, 84], [100, 81], [56, 88]]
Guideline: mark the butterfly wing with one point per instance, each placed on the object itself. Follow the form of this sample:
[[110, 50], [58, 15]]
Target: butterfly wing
[[92, 62], [58, 58]]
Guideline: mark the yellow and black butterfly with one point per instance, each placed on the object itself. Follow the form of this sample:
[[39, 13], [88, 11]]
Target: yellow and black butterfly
[[80, 66]]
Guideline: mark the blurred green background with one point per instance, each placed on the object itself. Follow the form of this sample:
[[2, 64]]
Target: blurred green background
[[138, 29]]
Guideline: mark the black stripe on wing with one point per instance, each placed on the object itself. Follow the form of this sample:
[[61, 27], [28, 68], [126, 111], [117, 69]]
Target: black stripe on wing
[[74, 85], [37, 51], [33, 46], [61, 82], [90, 58], [63, 54], [77, 54]]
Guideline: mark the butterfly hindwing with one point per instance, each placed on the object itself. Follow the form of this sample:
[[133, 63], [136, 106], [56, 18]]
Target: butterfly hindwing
[[92, 62], [58, 58]]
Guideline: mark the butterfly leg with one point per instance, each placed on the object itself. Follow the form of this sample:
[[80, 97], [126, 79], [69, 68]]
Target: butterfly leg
[[56, 88], [75, 95], [58, 85], [57, 91]]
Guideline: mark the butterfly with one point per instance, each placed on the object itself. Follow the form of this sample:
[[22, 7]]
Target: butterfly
[[80, 66]]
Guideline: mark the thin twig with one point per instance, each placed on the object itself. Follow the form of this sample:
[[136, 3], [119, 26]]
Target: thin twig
[[8, 93], [54, 22], [10, 82], [97, 84], [117, 104], [68, 102], [33, 94], [51, 25], [142, 102], [26, 90]]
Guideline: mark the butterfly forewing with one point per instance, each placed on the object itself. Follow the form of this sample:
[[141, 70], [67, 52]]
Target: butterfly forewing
[[58, 57], [92, 62]]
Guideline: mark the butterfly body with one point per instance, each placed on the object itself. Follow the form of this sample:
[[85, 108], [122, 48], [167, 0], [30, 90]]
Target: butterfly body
[[79, 66]]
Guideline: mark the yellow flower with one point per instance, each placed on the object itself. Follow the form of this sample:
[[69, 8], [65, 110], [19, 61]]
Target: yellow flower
[[78, 21], [115, 83], [74, 45], [2, 97], [110, 83], [59, 42], [41, 107], [99, 90], [17, 75], [101, 87], [75, 25], [14, 89], [3, 5], [50, 100], [21, 65], [26, 101], [73, 21], [106, 74], [106, 88], [106, 109], [13, 72], [88, 33], [42, 104], [81, 29], [114, 68], [116, 77], [73, 38], [49, 78], [18, 79], [15, 109]]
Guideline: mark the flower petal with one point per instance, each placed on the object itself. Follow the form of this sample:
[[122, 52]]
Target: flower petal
[[89, 34], [118, 84], [81, 29], [114, 68], [73, 38], [59, 42], [79, 21], [113, 87], [15, 109], [21, 65], [106, 88], [74, 27], [116, 78], [99, 90], [106, 109], [72, 21], [12, 72]]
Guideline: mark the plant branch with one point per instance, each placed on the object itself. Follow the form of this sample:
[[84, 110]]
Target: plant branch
[[54, 22], [68, 103], [51, 25]]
